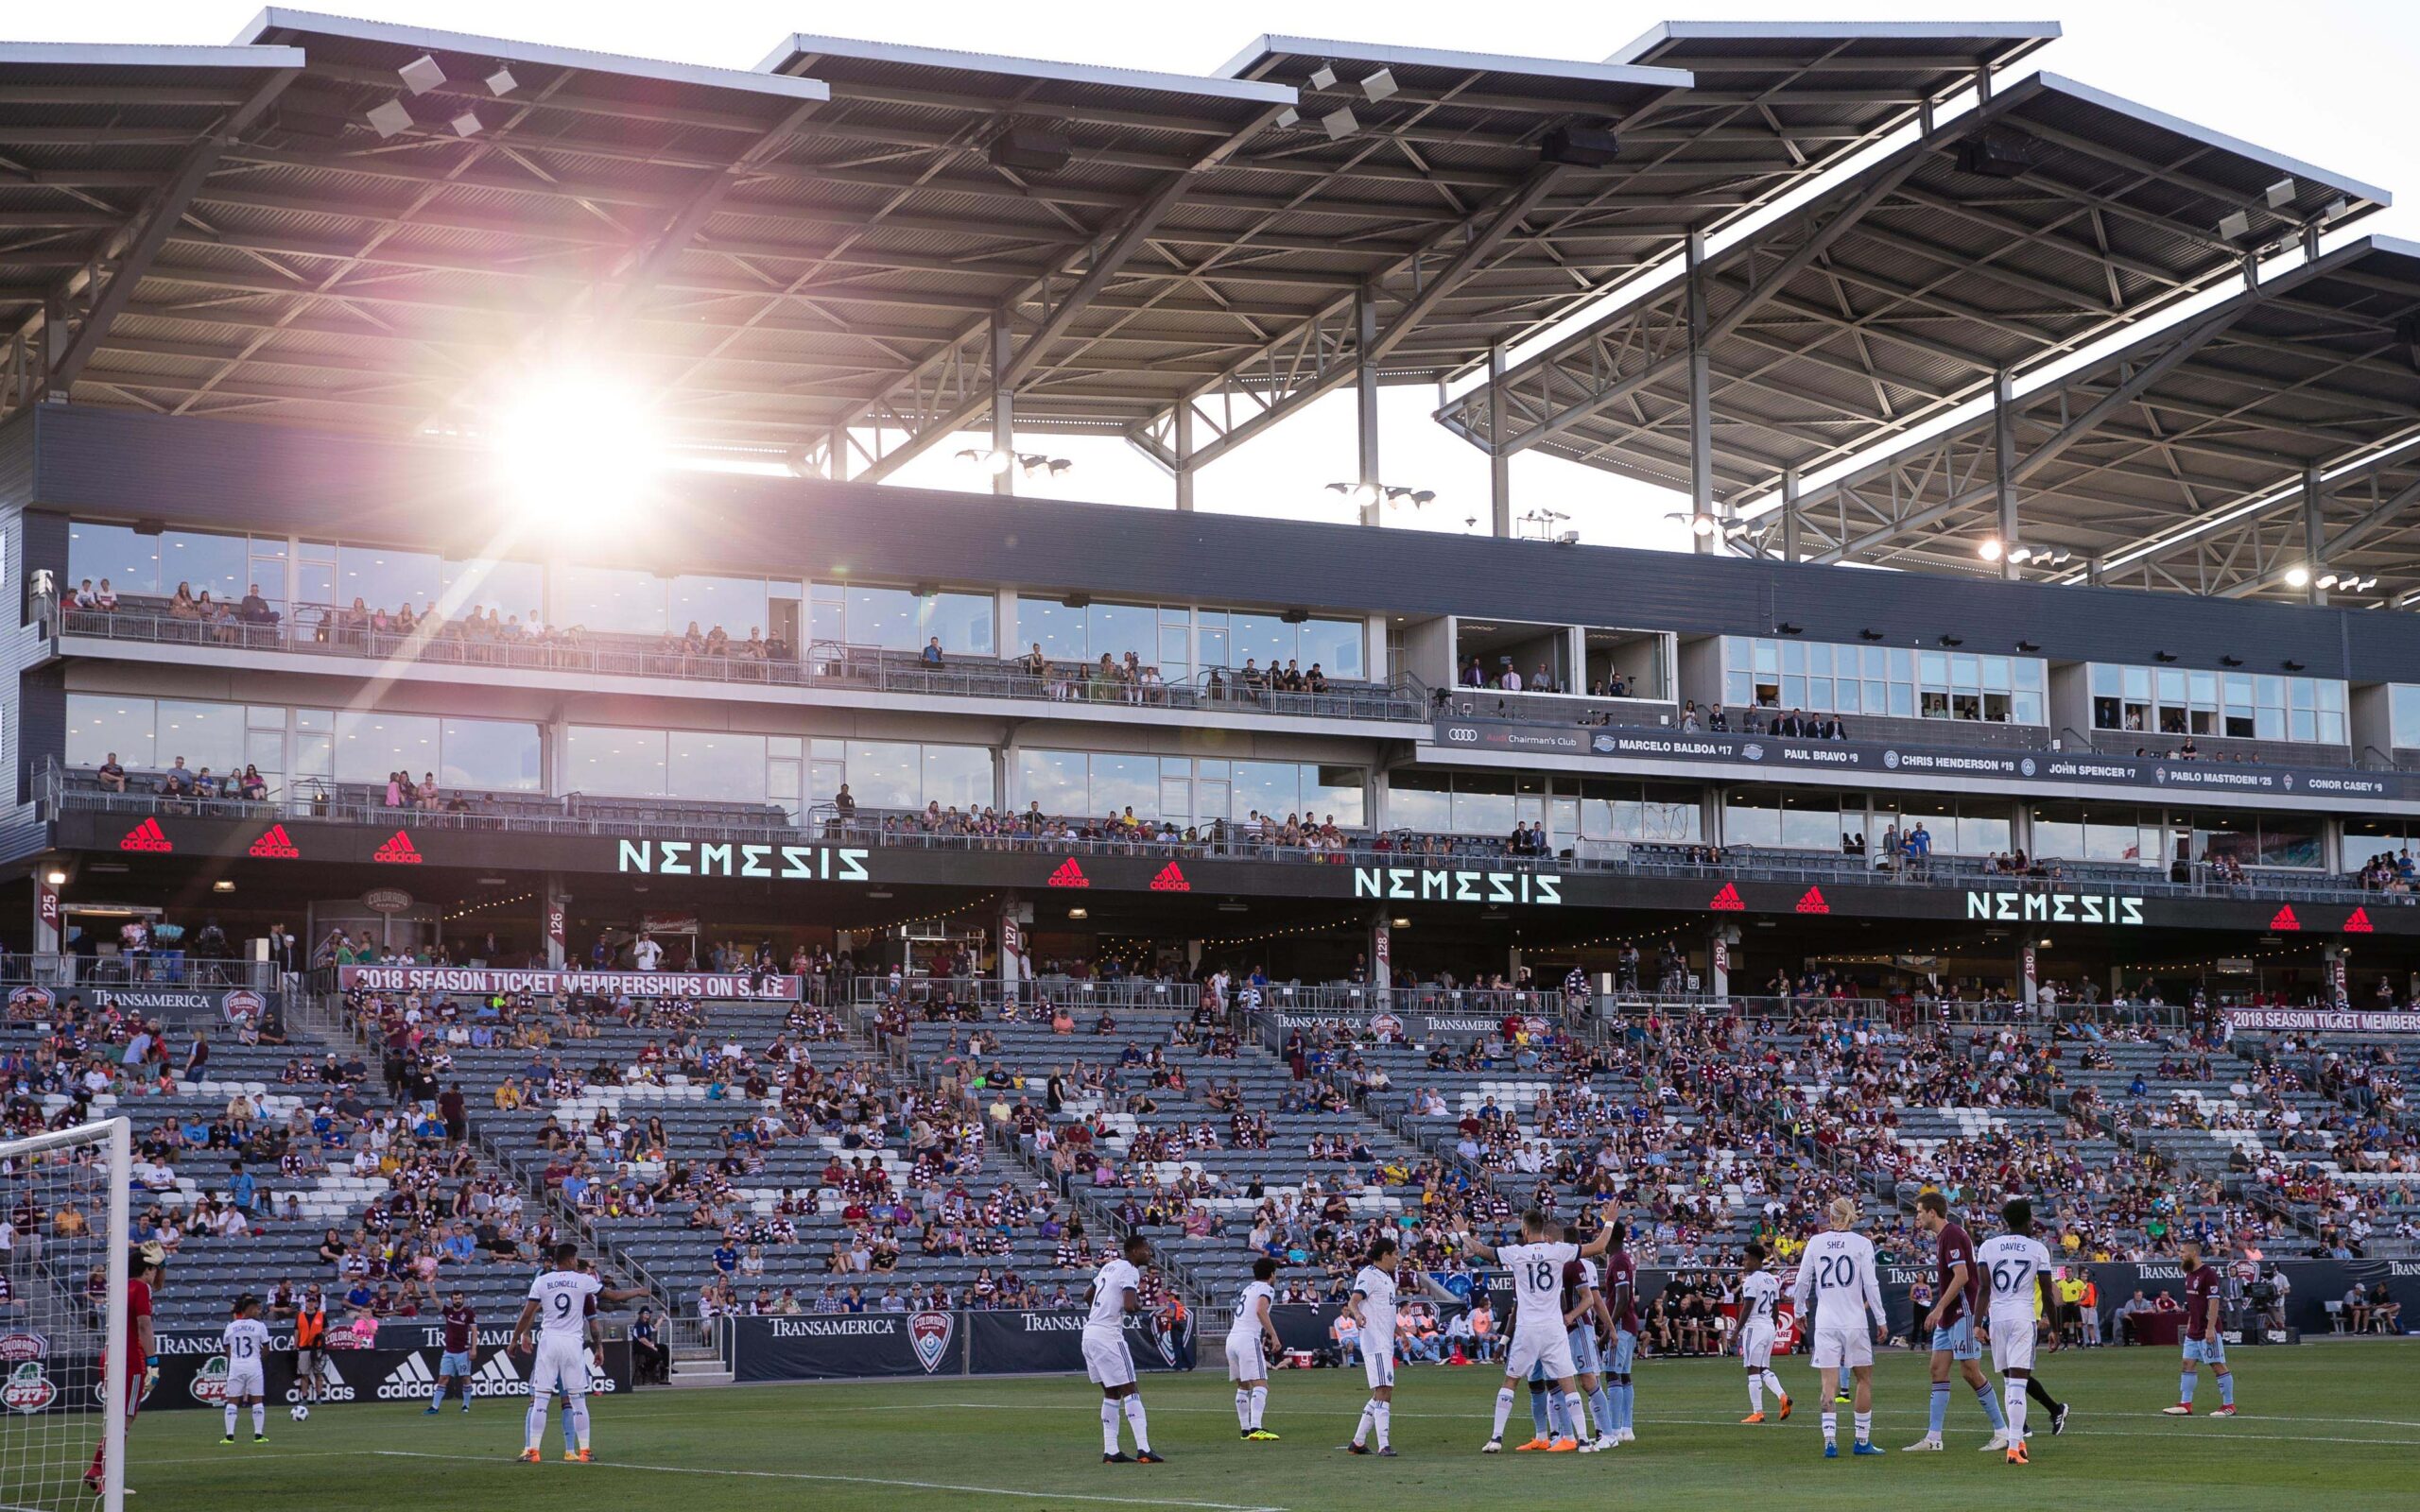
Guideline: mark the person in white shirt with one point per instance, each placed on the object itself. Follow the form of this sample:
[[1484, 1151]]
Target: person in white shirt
[[1371, 1308], [646, 954], [1838, 1276], [246, 1343], [1117, 1291], [557, 1303], [1251, 1340], [1760, 1318], [2016, 1272], [1539, 1337]]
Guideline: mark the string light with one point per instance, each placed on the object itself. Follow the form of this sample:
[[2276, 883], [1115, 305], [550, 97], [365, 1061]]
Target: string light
[[468, 909], [1283, 934]]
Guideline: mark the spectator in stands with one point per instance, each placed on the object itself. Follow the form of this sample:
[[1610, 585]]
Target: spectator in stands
[[932, 654], [111, 775], [254, 609], [177, 781]]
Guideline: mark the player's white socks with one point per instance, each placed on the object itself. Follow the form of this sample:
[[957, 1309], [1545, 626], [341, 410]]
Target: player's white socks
[[1773, 1384], [1864, 1427], [1361, 1429], [2012, 1392], [1831, 1427], [1243, 1409], [1503, 1409], [260, 1419], [1134, 1420], [1259, 1406], [537, 1420], [230, 1420], [1383, 1415], [578, 1412], [1109, 1425], [1756, 1392], [1574, 1421]]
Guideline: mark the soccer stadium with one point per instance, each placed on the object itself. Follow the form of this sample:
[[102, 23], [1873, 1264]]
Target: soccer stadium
[[574, 925]]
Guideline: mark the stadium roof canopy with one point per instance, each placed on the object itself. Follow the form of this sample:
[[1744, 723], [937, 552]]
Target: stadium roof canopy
[[387, 228], [2270, 434], [1996, 242]]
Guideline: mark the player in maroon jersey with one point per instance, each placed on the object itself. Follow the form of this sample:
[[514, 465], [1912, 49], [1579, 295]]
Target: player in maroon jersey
[[461, 1338], [141, 1365], [1959, 1288], [2204, 1342]]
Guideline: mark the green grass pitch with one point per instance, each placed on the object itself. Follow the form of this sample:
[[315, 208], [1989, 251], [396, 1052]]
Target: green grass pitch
[[2328, 1424]]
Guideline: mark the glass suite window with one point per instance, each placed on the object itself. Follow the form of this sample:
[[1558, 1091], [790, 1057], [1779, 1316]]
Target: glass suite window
[[1058, 629], [886, 774], [489, 756], [100, 723], [508, 588], [625, 763], [372, 746], [611, 600], [381, 579], [1113, 630], [1056, 779], [734, 604], [1900, 683], [2179, 704]]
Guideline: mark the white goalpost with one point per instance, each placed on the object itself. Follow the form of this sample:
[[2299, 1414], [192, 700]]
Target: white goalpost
[[63, 1328]]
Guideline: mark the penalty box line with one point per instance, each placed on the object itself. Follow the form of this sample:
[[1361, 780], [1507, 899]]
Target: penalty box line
[[866, 1480]]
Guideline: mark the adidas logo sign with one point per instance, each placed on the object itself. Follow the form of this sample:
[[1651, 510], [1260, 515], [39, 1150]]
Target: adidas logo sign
[[146, 836], [408, 1382], [1171, 879], [399, 851], [2285, 919], [498, 1379], [1070, 875], [2358, 922], [1727, 901], [274, 846], [1813, 902]]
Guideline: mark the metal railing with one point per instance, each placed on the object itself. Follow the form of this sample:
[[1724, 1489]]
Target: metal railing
[[339, 634], [163, 966]]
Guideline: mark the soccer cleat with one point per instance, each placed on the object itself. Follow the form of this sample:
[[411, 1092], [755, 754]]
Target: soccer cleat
[[1532, 1444], [1118, 1459], [1147, 1457], [531, 1456], [1243, 1433], [1926, 1445], [1626, 1435], [1387, 1453], [1493, 1446], [1357, 1448], [1564, 1445], [2058, 1420], [1999, 1441], [1831, 1449], [227, 1438], [260, 1438], [1261, 1435], [1754, 1417], [1606, 1442], [1869, 1449], [1591, 1446], [1839, 1398], [2016, 1454], [431, 1413], [1784, 1409], [2227, 1411], [575, 1456], [2180, 1410]]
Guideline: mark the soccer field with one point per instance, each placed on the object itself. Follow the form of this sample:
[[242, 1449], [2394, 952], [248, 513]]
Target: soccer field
[[2326, 1422]]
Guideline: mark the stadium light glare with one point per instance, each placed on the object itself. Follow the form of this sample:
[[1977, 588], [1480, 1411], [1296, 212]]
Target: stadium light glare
[[1988, 548], [580, 449], [2298, 577], [1703, 524]]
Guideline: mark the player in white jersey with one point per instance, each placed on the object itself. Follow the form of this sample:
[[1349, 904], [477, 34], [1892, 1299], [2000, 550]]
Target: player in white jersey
[[1117, 1291], [1251, 1340], [1838, 1276], [1759, 1319], [2016, 1273], [558, 1304], [1539, 1337], [1371, 1308], [246, 1343]]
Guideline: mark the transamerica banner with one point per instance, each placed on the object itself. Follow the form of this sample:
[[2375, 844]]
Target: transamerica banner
[[487, 981]]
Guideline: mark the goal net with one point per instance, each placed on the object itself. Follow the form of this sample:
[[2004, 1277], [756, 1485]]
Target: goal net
[[62, 1319]]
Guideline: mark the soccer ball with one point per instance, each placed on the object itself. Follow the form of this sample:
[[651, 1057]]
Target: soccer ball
[[300, 1411]]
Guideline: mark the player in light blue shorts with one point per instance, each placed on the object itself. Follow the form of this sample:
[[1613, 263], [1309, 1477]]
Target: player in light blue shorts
[[1956, 1340], [2211, 1351]]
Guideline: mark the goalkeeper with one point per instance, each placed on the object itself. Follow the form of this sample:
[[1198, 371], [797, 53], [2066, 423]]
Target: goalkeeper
[[143, 1268]]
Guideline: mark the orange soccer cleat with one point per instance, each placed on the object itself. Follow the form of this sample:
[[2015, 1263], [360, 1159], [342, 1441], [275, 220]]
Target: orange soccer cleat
[[1754, 1417], [2016, 1452], [1784, 1409], [575, 1456], [1535, 1443], [531, 1456], [1564, 1445]]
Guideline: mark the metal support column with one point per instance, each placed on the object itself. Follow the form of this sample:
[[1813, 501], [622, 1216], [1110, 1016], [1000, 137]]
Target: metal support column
[[558, 923], [1791, 550], [835, 454], [1365, 395], [1381, 952], [2314, 534], [1004, 409], [1184, 454], [1701, 392], [2004, 470], [1499, 463]]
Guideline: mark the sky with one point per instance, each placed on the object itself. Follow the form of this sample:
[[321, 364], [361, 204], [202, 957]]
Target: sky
[[2328, 82]]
